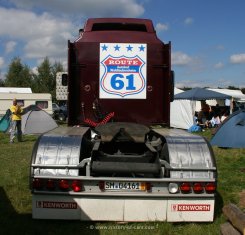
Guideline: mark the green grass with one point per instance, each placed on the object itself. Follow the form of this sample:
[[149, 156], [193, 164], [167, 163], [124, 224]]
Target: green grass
[[15, 197]]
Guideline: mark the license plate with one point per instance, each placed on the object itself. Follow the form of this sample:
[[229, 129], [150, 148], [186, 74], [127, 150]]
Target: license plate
[[131, 186]]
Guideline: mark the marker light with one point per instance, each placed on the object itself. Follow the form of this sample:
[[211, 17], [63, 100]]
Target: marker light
[[173, 188]]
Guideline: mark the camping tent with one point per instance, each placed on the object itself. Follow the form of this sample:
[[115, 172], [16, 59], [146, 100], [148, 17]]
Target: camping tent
[[200, 94], [181, 114], [5, 121], [231, 134], [36, 121]]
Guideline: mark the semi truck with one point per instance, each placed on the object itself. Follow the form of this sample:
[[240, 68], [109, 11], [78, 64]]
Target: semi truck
[[118, 159]]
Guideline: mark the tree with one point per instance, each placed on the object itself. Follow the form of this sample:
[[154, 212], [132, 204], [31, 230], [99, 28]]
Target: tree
[[45, 80], [57, 67], [243, 90], [18, 75], [2, 83]]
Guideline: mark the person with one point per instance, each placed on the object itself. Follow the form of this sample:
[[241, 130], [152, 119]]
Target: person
[[201, 117], [205, 108], [215, 121], [16, 111], [224, 116]]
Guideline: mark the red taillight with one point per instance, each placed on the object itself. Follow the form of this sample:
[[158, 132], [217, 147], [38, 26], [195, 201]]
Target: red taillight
[[185, 188], [198, 188], [50, 185], [210, 188], [76, 186], [37, 184], [102, 185], [64, 184]]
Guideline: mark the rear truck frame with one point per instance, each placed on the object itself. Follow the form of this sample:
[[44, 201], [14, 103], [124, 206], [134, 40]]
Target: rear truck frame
[[112, 163], [75, 176]]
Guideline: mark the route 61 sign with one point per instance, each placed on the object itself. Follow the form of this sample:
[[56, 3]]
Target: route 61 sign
[[122, 71]]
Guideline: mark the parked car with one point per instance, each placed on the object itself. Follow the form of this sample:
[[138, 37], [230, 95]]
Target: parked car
[[59, 112]]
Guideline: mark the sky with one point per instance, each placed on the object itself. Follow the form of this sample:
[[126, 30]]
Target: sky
[[207, 36]]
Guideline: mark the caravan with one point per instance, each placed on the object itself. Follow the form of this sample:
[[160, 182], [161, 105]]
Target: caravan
[[42, 100]]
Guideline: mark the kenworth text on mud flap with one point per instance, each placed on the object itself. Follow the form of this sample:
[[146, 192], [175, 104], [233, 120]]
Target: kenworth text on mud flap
[[118, 160]]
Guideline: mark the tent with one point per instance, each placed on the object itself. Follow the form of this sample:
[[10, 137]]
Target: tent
[[236, 94], [181, 115], [36, 121], [200, 94], [185, 104], [5, 121], [231, 134]]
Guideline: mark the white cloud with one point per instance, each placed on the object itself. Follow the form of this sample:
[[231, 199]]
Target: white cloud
[[27, 25], [10, 46], [219, 65], [161, 27], [237, 58], [85, 8], [188, 21], [43, 35], [46, 34], [1, 62], [180, 58]]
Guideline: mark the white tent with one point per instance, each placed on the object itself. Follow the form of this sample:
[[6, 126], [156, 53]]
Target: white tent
[[181, 112], [236, 94]]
